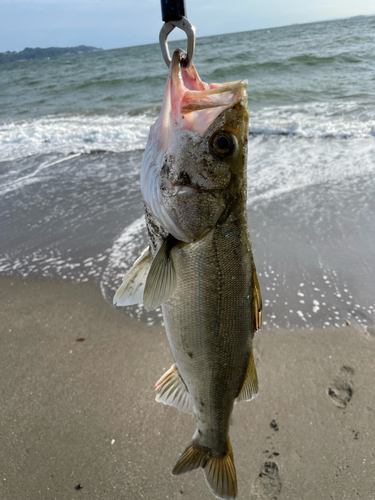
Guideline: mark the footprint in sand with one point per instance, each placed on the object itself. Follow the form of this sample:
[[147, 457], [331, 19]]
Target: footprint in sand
[[370, 332], [341, 390], [267, 485]]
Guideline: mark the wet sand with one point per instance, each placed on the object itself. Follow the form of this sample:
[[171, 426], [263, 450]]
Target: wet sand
[[78, 419]]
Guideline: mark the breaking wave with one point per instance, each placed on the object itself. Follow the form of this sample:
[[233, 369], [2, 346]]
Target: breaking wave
[[340, 120], [72, 134]]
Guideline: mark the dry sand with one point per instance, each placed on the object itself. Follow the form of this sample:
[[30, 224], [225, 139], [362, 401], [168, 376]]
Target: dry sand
[[83, 413]]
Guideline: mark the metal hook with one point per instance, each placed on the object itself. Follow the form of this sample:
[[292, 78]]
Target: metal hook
[[189, 29]]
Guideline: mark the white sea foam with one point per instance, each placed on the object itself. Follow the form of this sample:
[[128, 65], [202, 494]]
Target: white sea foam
[[43, 167], [73, 134], [340, 120], [68, 134], [124, 252], [279, 165], [51, 263]]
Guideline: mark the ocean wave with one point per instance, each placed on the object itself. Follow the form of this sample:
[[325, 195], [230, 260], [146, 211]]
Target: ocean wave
[[247, 63], [279, 167], [324, 120], [68, 134], [72, 134]]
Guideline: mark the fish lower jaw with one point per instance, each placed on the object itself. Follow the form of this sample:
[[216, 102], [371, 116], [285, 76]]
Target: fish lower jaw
[[176, 189], [179, 189]]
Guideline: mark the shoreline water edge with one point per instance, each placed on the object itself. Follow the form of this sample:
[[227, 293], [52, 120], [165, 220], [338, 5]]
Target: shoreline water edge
[[81, 219], [72, 133]]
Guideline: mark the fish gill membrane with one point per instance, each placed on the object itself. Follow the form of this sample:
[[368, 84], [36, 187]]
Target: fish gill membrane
[[199, 266]]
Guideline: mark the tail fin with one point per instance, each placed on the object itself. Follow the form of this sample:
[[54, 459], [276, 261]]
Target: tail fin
[[220, 473]]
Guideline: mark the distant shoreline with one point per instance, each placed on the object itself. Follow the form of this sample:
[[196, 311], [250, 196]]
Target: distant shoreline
[[38, 53]]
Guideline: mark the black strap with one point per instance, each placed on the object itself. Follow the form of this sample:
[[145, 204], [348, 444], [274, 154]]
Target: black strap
[[172, 10]]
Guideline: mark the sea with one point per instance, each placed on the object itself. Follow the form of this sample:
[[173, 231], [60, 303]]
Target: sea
[[73, 130]]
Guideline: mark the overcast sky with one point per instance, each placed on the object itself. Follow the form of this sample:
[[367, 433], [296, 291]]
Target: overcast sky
[[120, 23]]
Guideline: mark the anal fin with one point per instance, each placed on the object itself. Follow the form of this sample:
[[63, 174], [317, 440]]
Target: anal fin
[[249, 389], [172, 391]]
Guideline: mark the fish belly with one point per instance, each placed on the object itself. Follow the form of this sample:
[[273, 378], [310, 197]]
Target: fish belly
[[209, 326]]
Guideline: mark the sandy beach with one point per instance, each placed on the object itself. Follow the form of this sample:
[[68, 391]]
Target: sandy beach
[[78, 418]]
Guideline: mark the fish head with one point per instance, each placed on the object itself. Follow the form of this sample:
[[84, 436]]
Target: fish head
[[194, 164]]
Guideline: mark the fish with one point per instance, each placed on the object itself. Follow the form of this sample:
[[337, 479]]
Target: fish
[[199, 265]]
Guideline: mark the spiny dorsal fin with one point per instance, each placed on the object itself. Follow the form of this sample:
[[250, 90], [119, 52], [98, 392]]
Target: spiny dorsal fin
[[133, 283], [161, 281], [220, 473], [172, 391], [257, 301], [249, 389]]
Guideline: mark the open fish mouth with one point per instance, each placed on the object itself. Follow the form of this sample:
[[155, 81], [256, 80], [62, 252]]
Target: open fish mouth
[[190, 107], [190, 93]]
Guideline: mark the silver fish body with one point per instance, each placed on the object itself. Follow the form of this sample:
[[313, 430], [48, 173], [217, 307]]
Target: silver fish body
[[200, 266], [208, 323]]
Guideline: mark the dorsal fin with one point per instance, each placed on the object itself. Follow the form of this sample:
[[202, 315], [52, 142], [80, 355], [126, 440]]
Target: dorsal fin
[[161, 281]]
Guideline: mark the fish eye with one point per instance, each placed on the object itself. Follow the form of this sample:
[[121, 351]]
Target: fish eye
[[223, 143]]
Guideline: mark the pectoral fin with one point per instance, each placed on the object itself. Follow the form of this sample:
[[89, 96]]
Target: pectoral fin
[[133, 283], [249, 389], [161, 281], [172, 391], [257, 302]]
